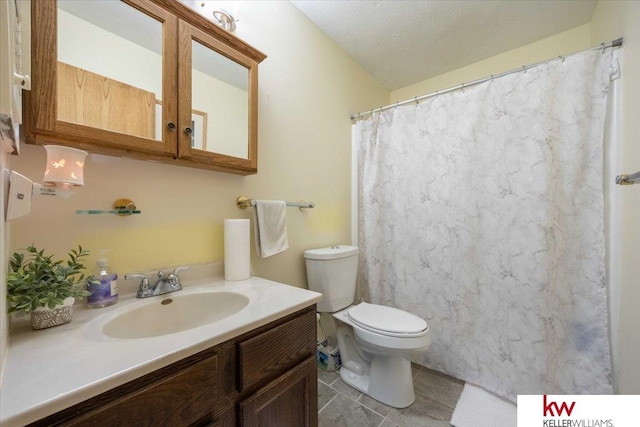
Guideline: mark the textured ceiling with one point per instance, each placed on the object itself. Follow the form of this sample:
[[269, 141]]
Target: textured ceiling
[[403, 42]]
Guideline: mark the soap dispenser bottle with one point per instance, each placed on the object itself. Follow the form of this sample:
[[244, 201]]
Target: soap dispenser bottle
[[103, 287]]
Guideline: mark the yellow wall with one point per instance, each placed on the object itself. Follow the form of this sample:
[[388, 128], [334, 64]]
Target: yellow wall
[[566, 42], [613, 19], [308, 88]]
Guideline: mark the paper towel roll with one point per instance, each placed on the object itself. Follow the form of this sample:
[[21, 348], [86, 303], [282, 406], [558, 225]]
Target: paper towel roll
[[237, 259]]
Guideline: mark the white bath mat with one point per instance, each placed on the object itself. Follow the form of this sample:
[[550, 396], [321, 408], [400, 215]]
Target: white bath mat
[[479, 408]]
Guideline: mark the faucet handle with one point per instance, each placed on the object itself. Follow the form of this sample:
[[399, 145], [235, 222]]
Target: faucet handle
[[144, 283], [175, 279], [130, 276], [181, 268]]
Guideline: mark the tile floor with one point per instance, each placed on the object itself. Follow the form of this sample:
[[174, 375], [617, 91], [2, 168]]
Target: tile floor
[[340, 405]]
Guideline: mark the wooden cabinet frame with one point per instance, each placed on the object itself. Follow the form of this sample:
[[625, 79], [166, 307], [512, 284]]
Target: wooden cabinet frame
[[187, 33], [40, 104]]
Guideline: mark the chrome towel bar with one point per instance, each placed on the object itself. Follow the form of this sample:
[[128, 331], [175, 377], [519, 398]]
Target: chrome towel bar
[[244, 202], [625, 179]]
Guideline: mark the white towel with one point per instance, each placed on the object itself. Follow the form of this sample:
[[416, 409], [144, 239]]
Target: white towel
[[271, 227]]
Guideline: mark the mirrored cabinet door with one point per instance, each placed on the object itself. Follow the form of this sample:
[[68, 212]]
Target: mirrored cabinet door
[[217, 101], [114, 79]]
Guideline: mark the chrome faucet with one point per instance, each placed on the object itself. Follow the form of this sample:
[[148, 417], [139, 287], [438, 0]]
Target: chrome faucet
[[164, 284]]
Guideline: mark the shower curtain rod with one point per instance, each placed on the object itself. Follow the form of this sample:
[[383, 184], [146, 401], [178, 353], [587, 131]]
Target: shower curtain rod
[[417, 99]]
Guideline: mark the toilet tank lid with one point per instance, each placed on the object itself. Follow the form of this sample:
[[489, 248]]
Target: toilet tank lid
[[333, 252]]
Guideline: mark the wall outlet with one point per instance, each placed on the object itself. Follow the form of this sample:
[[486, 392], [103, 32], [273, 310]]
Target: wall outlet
[[19, 201]]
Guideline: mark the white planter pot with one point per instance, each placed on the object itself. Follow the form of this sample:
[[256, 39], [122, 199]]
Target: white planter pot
[[42, 317]]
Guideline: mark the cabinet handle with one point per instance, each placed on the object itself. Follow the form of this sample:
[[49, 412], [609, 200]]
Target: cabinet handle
[[188, 131], [171, 126]]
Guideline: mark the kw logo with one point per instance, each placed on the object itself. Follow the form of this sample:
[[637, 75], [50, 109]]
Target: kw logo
[[548, 408]]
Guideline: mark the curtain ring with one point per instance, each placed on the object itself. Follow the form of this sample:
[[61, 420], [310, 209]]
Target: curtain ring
[[524, 68], [437, 93], [603, 47], [561, 58], [491, 77], [462, 88]]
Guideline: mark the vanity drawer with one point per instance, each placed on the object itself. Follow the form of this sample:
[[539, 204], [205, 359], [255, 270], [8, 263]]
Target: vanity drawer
[[181, 394], [276, 350]]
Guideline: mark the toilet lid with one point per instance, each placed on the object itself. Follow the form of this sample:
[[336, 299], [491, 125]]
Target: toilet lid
[[387, 319]]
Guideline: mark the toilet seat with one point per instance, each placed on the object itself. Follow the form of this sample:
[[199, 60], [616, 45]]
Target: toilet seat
[[387, 321]]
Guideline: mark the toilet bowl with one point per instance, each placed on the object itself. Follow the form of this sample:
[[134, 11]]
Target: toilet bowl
[[375, 341], [375, 344]]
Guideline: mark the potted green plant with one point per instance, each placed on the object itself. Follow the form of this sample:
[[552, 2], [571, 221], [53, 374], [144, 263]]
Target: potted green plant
[[45, 287]]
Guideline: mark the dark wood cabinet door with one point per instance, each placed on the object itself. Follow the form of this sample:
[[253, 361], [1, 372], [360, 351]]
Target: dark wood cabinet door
[[288, 401]]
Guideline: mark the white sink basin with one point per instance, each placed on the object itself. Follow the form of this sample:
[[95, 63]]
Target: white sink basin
[[174, 312]]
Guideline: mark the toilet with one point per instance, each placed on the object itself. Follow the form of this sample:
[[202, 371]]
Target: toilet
[[375, 341]]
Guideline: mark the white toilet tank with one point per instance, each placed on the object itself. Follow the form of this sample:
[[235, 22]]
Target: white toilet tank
[[332, 272]]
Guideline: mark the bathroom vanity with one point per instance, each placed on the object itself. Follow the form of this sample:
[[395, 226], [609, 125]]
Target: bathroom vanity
[[255, 367]]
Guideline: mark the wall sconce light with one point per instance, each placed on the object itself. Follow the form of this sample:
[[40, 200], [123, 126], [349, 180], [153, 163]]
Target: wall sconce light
[[64, 170]]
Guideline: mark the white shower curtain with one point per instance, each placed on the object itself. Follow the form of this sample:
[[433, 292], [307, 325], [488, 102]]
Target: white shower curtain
[[482, 212]]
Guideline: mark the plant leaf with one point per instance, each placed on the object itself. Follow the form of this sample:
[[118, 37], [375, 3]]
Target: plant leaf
[[39, 280]]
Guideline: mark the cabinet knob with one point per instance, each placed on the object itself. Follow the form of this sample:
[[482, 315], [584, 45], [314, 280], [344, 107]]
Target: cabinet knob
[[171, 126], [188, 131]]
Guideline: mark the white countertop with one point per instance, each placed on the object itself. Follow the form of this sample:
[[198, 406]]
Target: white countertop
[[51, 369]]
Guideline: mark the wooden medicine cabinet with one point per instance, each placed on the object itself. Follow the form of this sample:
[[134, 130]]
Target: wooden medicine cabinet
[[147, 79]]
